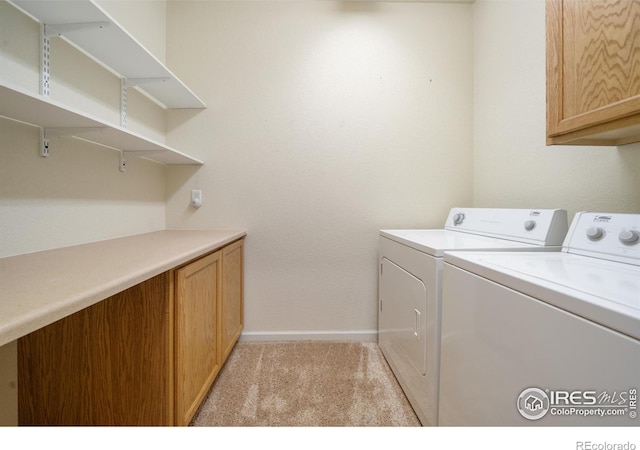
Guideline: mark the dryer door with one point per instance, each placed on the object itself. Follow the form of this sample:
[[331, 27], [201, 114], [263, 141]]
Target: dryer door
[[402, 320]]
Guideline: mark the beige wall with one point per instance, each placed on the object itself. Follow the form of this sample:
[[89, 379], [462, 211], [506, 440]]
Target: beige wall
[[512, 165], [326, 121]]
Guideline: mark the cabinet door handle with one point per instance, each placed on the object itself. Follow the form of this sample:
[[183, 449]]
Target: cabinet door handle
[[416, 329]]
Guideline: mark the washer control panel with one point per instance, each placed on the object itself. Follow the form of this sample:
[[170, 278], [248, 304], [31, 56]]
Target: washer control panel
[[605, 235]]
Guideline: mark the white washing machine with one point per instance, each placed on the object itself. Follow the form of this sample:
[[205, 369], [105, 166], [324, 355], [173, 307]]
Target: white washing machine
[[545, 338], [409, 287]]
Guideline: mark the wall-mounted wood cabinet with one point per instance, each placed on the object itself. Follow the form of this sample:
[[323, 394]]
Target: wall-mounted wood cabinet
[[145, 356], [593, 72]]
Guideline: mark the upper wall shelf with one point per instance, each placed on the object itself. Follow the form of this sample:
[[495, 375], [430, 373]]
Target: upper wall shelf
[[57, 120], [91, 29]]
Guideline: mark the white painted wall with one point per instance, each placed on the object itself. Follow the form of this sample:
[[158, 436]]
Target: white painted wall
[[77, 194], [512, 165], [326, 122]]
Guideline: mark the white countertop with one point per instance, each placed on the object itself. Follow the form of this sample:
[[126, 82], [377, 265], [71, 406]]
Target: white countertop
[[37, 289]]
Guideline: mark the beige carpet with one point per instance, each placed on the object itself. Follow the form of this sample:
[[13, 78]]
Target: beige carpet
[[306, 384]]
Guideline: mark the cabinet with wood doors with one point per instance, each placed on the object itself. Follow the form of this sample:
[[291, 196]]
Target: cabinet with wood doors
[[146, 356], [231, 304], [209, 319], [593, 72], [198, 293], [109, 364]]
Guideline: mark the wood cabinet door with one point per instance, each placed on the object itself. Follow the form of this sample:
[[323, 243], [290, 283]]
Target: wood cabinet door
[[593, 71], [196, 318], [108, 364], [231, 306]]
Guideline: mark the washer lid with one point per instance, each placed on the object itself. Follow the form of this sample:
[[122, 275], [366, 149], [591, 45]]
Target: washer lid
[[606, 292], [436, 242]]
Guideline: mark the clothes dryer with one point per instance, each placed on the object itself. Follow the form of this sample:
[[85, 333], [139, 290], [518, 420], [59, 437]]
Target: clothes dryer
[[545, 338], [409, 285]]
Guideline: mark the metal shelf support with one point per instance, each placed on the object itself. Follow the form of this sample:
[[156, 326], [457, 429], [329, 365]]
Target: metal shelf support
[[54, 132], [64, 28], [126, 83], [45, 63], [130, 154]]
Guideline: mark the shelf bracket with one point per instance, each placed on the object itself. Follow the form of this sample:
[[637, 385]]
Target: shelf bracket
[[130, 154], [46, 134], [48, 31], [54, 132], [45, 62], [132, 82], [126, 83], [44, 143], [64, 28], [123, 102]]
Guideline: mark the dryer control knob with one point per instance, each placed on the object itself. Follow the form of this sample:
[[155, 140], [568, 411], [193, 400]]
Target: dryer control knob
[[595, 233], [629, 237], [529, 225], [458, 218]]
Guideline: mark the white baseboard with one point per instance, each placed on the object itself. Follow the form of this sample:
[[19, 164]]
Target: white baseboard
[[265, 336]]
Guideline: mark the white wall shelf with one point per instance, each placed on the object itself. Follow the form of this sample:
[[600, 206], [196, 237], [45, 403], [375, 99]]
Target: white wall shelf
[[57, 120], [111, 45]]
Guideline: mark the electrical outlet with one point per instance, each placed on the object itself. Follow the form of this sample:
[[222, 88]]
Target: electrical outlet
[[196, 198]]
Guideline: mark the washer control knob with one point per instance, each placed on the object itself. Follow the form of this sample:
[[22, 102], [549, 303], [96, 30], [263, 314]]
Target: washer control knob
[[595, 233], [629, 237], [458, 218], [529, 225]]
